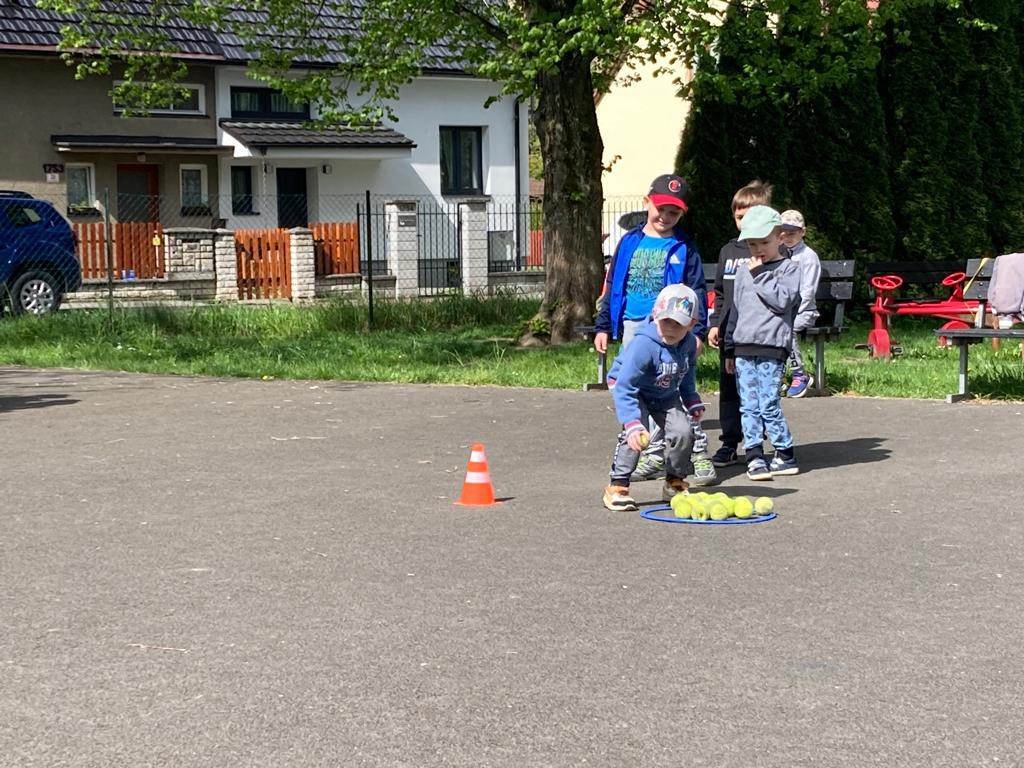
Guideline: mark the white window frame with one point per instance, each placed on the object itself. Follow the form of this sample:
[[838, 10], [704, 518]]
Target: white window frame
[[203, 171], [199, 87], [91, 168]]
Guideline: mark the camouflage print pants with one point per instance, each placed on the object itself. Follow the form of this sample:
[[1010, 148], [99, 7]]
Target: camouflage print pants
[[759, 380]]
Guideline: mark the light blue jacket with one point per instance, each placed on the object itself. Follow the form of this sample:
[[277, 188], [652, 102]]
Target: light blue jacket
[[658, 374]]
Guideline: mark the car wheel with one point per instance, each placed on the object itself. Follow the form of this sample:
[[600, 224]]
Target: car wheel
[[35, 293]]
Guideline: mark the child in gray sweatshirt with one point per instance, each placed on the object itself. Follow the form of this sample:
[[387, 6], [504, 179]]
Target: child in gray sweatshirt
[[793, 230], [758, 340]]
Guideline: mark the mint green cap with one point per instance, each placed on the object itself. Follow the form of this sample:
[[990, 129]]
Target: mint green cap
[[758, 222]]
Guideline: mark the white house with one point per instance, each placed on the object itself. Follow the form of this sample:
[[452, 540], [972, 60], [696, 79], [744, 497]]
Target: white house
[[444, 146]]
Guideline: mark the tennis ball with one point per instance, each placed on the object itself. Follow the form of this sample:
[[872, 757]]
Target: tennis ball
[[764, 505], [743, 508], [697, 509], [645, 440], [719, 512], [681, 506]]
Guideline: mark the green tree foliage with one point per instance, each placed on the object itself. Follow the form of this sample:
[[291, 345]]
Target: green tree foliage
[[919, 157]]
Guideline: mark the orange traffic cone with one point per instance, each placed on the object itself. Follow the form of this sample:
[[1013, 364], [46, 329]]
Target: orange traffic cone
[[477, 490]]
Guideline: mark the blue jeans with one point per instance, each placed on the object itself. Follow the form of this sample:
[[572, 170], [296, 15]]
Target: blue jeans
[[759, 380]]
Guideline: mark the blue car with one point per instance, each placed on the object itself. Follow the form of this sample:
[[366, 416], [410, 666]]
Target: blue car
[[37, 255]]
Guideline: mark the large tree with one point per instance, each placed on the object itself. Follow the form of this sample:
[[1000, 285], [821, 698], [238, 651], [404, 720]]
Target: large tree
[[557, 53]]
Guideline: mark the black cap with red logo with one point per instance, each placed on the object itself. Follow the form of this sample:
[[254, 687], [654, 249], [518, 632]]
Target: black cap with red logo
[[670, 190]]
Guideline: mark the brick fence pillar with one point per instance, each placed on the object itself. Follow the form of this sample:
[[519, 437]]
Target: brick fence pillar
[[302, 264], [225, 263], [403, 246], [473, 219]]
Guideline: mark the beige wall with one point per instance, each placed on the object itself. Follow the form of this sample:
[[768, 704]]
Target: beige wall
[[41, 97], [642, 123]]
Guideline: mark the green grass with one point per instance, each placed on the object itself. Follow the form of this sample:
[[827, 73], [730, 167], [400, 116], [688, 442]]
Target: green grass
[[453, 341]]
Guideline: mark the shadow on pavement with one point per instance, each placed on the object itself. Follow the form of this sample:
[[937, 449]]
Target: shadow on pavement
[[814, 456], [28, 402]]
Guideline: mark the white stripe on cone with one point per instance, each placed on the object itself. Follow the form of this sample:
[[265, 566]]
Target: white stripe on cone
[[478, 477], [477, 456]]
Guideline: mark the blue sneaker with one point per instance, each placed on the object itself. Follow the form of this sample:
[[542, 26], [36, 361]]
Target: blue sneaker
[[801, 383], [757, 469], [781, 466]]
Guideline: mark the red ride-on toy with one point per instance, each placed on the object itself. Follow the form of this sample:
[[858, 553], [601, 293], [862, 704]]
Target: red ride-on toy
[[957, 311]]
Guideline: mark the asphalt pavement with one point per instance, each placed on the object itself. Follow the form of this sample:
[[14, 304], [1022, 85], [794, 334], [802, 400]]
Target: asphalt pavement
[[226, 573]]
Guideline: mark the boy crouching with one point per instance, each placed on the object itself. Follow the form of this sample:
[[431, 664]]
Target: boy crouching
[[655, 376]]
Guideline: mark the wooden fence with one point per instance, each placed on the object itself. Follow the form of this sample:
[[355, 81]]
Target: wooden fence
[[336, 248], [264, 263], [137, 249], [535, 249]]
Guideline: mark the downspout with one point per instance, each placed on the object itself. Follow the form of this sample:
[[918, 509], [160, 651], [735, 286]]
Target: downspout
[[519, 185]]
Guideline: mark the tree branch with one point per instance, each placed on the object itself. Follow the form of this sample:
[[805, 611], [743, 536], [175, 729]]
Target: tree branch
[[488, 26]]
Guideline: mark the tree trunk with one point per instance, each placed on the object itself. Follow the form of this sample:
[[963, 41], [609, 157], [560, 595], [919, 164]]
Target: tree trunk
[[566, 121]]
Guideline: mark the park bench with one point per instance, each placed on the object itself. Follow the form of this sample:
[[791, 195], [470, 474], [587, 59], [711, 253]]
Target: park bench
[[834, 289], [963, 338]]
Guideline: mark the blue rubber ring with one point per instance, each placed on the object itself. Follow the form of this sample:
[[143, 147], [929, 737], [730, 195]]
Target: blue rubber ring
[[651, 514]]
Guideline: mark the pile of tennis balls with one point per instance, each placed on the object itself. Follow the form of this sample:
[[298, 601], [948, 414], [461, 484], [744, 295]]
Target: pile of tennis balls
[[719, 506]]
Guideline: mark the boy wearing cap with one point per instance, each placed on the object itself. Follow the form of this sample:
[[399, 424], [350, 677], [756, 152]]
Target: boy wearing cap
[[649, 257], [793, 231], [654, 377], [758, 339]]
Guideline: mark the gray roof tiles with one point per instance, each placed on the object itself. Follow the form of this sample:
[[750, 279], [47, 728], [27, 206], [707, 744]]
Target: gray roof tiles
[[23, 25], [282, 134]]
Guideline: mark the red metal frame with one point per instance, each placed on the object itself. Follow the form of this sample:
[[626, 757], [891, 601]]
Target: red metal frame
[[957, 311]]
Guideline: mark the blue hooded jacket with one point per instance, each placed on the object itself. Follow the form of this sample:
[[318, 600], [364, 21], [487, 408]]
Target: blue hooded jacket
[[648, 369], [682, 265]]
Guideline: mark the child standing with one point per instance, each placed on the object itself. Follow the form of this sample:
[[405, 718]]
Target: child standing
[[654, 377], [652, 255], [758, 340], [730, 257], [793, 231]]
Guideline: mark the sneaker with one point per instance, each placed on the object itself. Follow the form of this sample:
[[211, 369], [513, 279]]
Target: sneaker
[[703, 470], [757, 469], [673, 487], [617, 499], [650, 467], [725, 456], [801, 383], [781, 466]]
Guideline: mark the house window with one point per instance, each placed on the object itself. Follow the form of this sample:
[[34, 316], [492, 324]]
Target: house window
[[461, 161], [192, 102], [241, 190], [194, 198], [266, 103], [80, 178]]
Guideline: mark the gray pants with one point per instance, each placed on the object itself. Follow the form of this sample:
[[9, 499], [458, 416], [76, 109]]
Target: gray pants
[[674, 424], [657, 446], [796, 360]]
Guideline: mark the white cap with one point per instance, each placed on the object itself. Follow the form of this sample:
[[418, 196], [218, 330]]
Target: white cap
[[793, 219], [676, 302]]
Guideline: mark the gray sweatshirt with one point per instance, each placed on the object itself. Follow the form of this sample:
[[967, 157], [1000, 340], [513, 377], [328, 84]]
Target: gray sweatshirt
[[810, 274], [764, 303]]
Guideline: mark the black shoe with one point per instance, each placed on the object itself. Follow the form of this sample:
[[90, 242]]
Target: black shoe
[[725, 456]]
